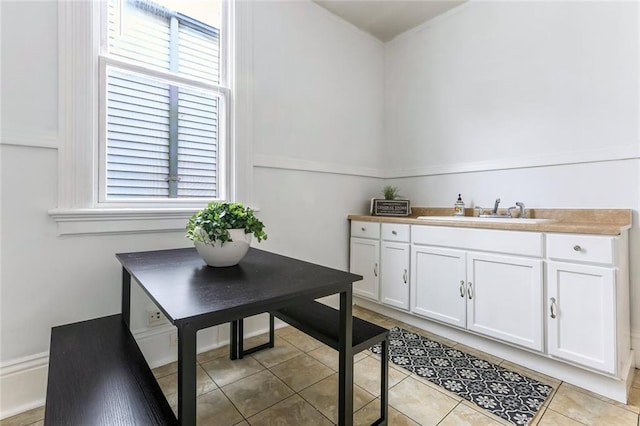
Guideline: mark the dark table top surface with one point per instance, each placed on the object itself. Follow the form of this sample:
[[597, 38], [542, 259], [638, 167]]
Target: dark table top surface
[[187, 290]]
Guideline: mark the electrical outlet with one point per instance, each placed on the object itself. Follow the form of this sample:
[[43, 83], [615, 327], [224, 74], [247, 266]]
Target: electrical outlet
[[155, 317], [173, 339]]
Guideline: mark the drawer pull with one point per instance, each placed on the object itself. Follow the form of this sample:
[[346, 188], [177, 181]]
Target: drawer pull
[[577, 248], [462, 288], [363, 229], [404, 276], [375, 269], [552, 307], [470, 290], [394, 233]]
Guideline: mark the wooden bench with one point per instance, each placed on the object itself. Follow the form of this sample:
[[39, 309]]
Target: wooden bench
[[98, 376], [321, 322]]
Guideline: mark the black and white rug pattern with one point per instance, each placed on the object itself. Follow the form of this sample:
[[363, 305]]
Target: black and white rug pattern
[[507, 394]]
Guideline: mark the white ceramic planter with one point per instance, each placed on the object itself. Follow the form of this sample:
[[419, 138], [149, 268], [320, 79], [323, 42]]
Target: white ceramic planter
[[227, 254]]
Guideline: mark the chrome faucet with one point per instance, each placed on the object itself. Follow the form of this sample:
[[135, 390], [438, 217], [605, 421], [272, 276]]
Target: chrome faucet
[[495, 207], [519, 204]]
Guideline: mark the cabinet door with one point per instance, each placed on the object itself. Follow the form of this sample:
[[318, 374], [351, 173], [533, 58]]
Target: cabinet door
[[438, 284], [394, 263], [364, 259], [581, 315], [504, 298]]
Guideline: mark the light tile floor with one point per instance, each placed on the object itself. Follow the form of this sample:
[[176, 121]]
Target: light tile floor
[[295, 384]]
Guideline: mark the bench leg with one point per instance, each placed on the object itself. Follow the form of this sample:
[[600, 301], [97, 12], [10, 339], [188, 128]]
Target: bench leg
[[126, 296], [237, 350]]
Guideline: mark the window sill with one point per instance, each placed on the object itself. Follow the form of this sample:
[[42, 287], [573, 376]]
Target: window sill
[[100, 221]]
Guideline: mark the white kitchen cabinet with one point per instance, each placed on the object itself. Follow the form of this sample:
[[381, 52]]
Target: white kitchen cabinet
[[560, 301], [364, 258], [438, 284], [581, 314], [583, 295], [504, 298], [492, 294], [394, 263]]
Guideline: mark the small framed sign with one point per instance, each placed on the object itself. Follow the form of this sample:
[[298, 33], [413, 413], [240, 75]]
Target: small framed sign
[[381, 207]]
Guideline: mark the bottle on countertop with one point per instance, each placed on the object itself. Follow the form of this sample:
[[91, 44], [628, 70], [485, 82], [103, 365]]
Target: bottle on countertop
[[458, 209]]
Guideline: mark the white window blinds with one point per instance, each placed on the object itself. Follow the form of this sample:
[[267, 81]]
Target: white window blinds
[[164, 104]]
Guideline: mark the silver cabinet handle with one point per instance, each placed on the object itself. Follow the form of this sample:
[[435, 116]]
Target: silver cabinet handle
[[552, 307], [577, 248], [394, 233], [462, 288], [375, 269], [470, 290], [404, 276]]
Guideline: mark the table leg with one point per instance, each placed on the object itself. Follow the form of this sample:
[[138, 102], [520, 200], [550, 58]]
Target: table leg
[[186, 375], [345, 369], [126, 296], [384, 379]]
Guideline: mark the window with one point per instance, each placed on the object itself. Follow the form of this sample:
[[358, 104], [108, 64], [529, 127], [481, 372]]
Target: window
[[163, 101], [89, 62]]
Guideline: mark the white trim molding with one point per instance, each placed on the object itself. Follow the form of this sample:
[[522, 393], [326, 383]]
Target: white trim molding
[[615, 153], [78, 29], [27, 379], [120, 221], [241, 117], [288, 163], [30, 137]]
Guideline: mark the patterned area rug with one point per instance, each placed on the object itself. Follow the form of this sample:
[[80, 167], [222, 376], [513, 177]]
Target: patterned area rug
[[507, 394]]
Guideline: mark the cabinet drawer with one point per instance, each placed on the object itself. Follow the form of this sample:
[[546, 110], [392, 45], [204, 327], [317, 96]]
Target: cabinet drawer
[[581, 248], [396, 232], [365, 229]]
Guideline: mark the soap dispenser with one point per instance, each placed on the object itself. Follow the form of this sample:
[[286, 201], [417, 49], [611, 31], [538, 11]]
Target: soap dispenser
[[458, 209]]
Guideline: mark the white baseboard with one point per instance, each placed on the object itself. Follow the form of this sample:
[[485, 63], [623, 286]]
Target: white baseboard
[[23, 384], [635, 345], [23, 381]]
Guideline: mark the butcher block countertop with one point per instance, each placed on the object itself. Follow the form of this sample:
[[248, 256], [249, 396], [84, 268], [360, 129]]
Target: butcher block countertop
[[569, 221]]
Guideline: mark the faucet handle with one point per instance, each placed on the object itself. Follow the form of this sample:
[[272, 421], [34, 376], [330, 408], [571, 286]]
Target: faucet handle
[[521, 205]]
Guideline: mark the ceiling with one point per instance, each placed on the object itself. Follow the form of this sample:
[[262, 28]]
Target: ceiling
[[385, 19]]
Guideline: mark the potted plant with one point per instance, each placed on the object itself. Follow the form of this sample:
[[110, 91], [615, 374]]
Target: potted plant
[[391, 205], [390, 192], [222, 232]]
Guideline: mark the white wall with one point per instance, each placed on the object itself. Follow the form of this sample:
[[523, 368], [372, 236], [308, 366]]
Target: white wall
[[492, 100], [513, 80], [318, 87], [524, 101], [317, 107], [310, 113]]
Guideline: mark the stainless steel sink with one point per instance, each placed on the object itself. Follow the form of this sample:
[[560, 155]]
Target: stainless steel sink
[[488, 219]]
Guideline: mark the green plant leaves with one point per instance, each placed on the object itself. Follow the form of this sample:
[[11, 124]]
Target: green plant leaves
[[212, 223], [390, 192]]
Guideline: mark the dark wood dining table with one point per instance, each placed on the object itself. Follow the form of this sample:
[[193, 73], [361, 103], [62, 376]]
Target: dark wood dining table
[[194, 296]]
